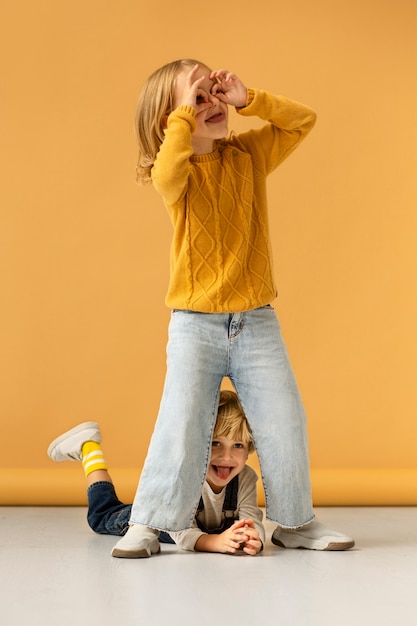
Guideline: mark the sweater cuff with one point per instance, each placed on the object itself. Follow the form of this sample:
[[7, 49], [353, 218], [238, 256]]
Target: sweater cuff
[[187, 109], [183, 112], [249, 99]]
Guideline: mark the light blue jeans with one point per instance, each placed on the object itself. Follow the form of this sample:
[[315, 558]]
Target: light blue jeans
[[203, 348]]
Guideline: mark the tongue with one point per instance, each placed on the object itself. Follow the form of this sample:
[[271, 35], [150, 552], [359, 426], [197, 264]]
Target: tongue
[[223, 472]]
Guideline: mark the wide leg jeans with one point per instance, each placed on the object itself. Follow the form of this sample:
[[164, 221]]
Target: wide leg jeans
[[202, 349]]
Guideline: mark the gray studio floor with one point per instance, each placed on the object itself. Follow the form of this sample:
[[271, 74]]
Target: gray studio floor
[[54, 570]]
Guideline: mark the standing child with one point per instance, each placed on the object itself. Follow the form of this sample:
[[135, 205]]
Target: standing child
[[220, 289], [228, 518]]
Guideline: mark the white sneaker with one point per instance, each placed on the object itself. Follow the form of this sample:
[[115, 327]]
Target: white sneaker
[[313, 536], [67, 447], [139, 542]]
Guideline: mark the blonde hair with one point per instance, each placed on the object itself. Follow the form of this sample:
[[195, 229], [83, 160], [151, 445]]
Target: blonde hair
[[156, 101], [231, 420]]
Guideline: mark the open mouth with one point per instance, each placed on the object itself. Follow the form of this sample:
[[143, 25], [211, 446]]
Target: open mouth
[[222, 472]]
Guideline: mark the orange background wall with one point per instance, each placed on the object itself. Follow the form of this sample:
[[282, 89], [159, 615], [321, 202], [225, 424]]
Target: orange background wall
[[84, 251]]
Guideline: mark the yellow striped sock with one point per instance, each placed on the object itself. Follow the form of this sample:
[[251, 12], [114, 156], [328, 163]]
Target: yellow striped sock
[[92, 457]]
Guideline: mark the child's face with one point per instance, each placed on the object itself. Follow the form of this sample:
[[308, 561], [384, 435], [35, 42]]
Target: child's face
[[228, 458], [212, 122]]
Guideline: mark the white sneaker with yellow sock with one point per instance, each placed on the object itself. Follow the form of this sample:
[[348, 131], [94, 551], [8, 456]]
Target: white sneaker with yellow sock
[[81, 443]]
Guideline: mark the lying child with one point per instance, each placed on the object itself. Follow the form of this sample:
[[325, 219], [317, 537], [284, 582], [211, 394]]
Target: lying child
[[227, 518]]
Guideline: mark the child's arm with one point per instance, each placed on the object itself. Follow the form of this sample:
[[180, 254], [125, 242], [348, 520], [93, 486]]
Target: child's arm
[[249, 514], [170, 169], [248, 532], [289, 123]]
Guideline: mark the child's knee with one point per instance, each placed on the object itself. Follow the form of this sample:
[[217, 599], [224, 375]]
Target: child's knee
[[95, 523]]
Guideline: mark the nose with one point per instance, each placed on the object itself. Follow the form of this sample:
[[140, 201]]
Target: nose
[[213, 99], [226, 455]]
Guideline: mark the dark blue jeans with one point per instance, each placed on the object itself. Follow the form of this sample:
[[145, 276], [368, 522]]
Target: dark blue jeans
[[107, 515]]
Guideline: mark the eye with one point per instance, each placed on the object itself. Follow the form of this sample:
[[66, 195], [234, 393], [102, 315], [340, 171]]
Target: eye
[[200, 99], [215, 444], [239, 445]]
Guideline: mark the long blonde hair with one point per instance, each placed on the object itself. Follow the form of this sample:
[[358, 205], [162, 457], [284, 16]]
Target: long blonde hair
[[155, 103], [231, 420]]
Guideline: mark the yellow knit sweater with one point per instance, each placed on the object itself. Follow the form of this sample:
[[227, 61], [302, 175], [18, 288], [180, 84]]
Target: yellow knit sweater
[[220, 254]]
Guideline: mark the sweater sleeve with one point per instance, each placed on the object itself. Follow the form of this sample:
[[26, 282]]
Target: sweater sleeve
[[289, 122], [171, 167], [186, 539]]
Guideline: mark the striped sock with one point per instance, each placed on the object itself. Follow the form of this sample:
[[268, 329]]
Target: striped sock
[[92, 457]]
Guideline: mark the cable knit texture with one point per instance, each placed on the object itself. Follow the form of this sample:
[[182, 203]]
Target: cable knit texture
[[220, 254]]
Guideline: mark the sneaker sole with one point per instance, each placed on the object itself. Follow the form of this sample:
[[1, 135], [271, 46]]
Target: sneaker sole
[[134, 554], [69, 433], [332, 546]]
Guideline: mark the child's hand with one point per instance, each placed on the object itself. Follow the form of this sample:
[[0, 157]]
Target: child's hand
[[228, 88], [252, 544], [192, 94], [242, 535]]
